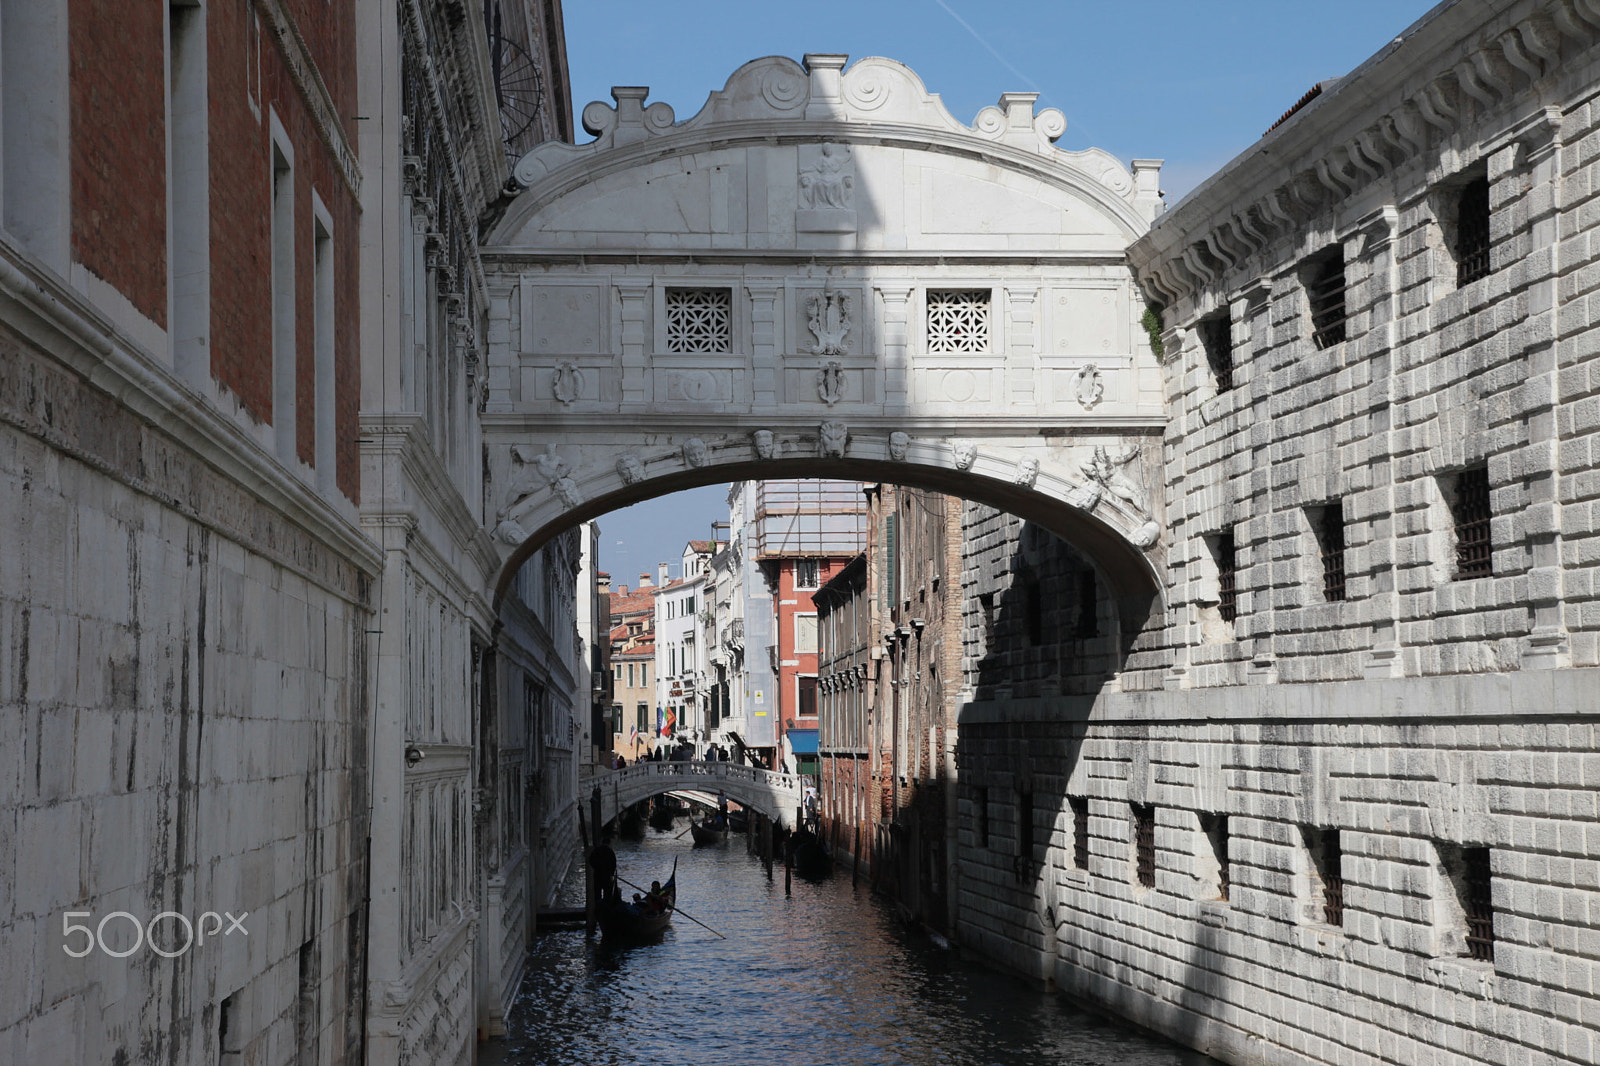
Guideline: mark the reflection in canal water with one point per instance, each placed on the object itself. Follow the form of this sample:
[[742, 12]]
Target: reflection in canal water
[[826, 976]]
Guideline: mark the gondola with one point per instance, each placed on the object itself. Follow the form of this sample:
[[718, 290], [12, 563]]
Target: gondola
[[739, 821], [812, 859], [712, 830], [623, 919]]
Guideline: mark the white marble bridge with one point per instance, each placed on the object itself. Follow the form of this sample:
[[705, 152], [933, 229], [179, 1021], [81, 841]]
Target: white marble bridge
[[777, 795]]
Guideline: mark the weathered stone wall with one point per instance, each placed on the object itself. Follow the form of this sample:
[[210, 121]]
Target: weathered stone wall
[[1365, 749], [185, 715]]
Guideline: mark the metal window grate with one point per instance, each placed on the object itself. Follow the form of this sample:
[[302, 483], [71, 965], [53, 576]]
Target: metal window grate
[[1474, 550], [699, 320], [1331, 872], [1144, 843], [958, 320], [1227, 572], [1216, 334], [1331, 536], [1472, 232], [1326, 293], [1478, 903], [1080, 831]]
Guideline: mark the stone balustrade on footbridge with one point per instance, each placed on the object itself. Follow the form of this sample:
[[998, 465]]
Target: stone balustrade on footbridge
[[776, 795]]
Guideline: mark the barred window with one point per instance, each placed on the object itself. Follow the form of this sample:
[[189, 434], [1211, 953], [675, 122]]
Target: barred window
[[699, 320], [1215, 827], [1227, 575], [1080, 831], [1472, 231], [1327, 861], [1144, 843], [1471, 512], [1329, 522], [1477, 903], [1216, 335], [805, 574], [1325, 290], [958, 320]]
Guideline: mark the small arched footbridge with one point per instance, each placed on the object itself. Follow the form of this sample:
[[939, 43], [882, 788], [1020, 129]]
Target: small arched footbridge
[[776, 795]]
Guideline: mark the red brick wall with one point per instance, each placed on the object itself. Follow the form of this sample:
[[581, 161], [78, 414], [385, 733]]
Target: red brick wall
[[246, 65], [119, 147]]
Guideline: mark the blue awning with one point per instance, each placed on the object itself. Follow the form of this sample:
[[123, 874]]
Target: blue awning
[[802, 741]]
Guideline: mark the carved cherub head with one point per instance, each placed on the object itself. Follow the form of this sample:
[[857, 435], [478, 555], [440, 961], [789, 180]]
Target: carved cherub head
[[766, 445], [695, 451], [966, 453]]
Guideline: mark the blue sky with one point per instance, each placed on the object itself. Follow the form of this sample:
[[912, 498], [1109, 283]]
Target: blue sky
[[1193, 82]]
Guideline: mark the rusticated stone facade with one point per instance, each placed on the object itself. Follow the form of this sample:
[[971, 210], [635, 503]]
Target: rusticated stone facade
[[1342, 808]]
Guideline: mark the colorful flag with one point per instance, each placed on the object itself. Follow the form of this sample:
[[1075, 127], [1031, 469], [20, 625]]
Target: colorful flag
[[669, 720], [633, 734]]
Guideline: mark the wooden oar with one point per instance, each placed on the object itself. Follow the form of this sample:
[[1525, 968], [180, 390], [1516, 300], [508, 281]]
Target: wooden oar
[[675, 908]]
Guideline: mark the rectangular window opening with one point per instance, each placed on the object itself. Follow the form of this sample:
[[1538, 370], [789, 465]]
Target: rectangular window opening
[[958, 320], [1080, 831], [699, 321], [805, 574], [1226, 556], [1216, 335], [1327, 866], [322, 312], [1329, 525], [283, 328], [1144, 843], [1472, 231], [188, 192], [1472, 514], [1325, 289], [1215, 827], [1088, 606]]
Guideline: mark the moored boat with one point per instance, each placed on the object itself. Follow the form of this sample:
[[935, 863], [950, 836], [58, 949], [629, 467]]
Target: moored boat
[[812, 859], [711, 830]]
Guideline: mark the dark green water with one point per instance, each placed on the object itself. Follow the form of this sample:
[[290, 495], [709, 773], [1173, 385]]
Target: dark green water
[[826, 977]]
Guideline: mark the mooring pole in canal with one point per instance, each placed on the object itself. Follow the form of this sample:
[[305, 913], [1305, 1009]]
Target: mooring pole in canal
[[766, 844], [788, 866], [591, 886], [855, 857]]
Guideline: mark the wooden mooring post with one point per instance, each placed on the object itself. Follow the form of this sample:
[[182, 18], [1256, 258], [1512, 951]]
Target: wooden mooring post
[[591, 886]]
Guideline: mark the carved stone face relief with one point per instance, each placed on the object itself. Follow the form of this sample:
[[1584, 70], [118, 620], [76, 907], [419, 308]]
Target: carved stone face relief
[[765, 444], [1027, 472], [695, 452], [834, 436], [630, 468], [965, 452], [830, 181], [567, 383], [898, 443], [830, 382]]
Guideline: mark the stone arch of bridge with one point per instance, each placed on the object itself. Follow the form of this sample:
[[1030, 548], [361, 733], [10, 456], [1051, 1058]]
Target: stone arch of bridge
[[1116, 533]]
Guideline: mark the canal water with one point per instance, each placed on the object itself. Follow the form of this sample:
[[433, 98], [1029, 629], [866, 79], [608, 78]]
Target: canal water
[[825, 977]]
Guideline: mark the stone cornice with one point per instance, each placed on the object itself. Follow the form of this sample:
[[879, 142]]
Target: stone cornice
[[512, 258], [313, 90], [1392, 110], [67, 326]]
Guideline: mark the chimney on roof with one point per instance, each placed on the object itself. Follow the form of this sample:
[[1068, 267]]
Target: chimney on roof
[[661, 574], [603, 579], [644, 581], [621, 590]]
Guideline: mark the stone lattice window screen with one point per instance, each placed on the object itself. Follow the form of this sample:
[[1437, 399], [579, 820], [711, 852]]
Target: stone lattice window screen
[[958, 320], [699, 320]]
